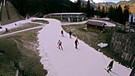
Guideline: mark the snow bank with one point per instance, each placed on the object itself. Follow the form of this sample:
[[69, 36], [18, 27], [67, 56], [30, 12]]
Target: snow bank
[[102, 45]]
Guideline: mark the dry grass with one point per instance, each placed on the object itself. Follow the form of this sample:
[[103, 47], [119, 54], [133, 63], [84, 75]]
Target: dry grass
[[19, 51]]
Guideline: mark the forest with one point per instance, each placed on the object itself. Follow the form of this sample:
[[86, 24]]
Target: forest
[[42, 7]]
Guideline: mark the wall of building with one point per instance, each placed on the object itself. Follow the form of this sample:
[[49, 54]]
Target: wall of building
[[70, 17]]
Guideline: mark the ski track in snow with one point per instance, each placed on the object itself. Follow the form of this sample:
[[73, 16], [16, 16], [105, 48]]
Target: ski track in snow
[[84, 61]]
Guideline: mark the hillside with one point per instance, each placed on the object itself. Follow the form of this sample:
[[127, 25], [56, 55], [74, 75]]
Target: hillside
[[131, 5], [105, 4], [32, 7], [9, 14]]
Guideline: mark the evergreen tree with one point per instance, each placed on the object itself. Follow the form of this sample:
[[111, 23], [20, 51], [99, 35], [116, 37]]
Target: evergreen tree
[[88, 9], [92, 11], [119, 14], [32, 7], [98, 11], [103, 12], [78, 6], [125, 14], [111, 13]]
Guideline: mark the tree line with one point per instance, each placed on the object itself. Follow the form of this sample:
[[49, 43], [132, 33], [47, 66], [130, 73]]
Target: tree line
[[118, 15], [32, 7]]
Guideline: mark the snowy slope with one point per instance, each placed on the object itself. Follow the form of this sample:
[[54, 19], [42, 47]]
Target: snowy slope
[[84, 61]]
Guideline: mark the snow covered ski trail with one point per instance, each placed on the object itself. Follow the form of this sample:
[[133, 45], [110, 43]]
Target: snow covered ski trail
[[84, 61]]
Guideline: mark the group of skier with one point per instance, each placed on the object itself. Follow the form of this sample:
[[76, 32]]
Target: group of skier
[[70, 36], [110, 66]]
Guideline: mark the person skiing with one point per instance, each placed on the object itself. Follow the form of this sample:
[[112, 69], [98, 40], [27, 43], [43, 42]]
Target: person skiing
[[6, 29], [110, 66], [70, 33], [76, 43], [60, 45], [62, 34]]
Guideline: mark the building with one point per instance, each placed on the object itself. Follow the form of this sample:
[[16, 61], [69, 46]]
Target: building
[[71, 17], [95, 26]]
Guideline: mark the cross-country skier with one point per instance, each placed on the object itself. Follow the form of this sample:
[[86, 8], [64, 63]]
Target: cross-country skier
[[76, 43], [60, 45], [70, 33], [110, 66], [62, 34]]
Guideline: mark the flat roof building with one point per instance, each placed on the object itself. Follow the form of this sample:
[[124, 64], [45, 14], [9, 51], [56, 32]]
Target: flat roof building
[[71, 17]]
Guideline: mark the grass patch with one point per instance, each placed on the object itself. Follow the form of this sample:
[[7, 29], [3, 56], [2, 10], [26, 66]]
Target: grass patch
[[41, 21], [9, 53], [20, 52], [91, 38]]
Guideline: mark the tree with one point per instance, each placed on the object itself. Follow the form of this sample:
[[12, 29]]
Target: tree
[[111, 13], [103, 13], [88, 9], [125, 14], [78, 6], [119, 14], [32, 7], [92, 11]]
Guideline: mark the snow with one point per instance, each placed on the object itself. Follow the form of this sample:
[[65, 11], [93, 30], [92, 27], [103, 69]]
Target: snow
[[84, 61], [107, 23], [17, 24], [13, 26], [102, 44], [71, 13]]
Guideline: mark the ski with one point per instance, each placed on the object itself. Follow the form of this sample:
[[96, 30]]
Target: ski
[[111, 72], [108, 72]]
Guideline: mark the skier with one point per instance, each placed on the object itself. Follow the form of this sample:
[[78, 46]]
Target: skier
[[6, 29], [60, 45], [76, 43], [70, 33], [62, 34], [110, 66]]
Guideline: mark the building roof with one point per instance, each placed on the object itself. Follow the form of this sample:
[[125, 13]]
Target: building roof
[[94, 23], [70, 13]]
